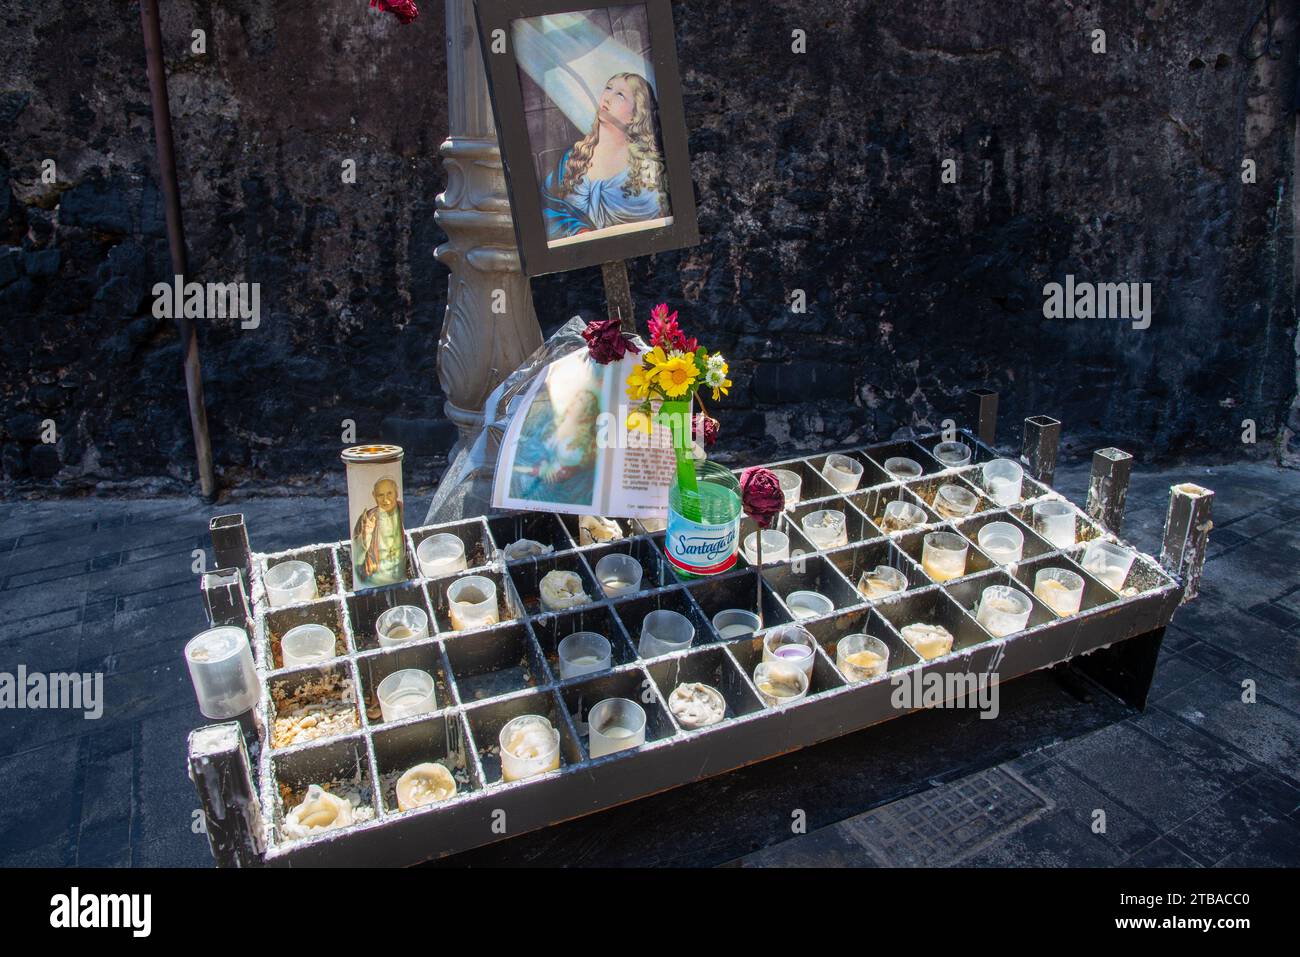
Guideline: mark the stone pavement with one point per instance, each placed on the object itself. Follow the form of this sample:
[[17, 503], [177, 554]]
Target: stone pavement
[[1198, 779]]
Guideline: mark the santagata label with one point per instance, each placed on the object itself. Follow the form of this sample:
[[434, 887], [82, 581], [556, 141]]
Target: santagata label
[[701, 549]]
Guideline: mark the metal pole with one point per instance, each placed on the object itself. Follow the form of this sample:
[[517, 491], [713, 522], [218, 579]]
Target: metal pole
[[1042, 440], [162, 125], [219, 768], [1187, 532], [982, 408], [618, 294], [1108, 487]]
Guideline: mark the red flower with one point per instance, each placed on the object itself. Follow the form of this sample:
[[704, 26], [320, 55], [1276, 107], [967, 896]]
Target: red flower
[[664, 331], [760, 495], [405, 10], [606, 341], [705, 429]]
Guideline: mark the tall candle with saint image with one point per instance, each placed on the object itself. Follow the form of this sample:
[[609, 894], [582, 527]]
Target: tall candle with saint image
[[375, 511]]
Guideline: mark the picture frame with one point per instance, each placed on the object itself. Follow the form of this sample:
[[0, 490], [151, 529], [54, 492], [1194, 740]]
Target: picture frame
[[594, 150]]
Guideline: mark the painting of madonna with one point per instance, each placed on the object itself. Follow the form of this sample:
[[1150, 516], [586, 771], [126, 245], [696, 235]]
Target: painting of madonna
[[613, 176], [590, 108]]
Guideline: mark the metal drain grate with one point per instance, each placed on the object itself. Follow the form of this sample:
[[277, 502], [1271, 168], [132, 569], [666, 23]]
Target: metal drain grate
[[942, 825]]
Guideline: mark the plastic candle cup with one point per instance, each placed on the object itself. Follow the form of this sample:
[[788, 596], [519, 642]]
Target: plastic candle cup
[[1002, 542], [903, 468], [306, 645], [441, 554], [1003, 610], [663, 632], [220, 662], [780, 682], [423, 784], [290, 582], [826, 528], [881, 581], [615, 724], [406, 693], [808, 604], [1060, 590], [791, 644], [928, 641], [619, 574], [943, 555], [953, 501], [736, 623], [401, 624], [952, 454], [584, 652], [1003, 478], [842, 472], [776, 546], [472, 602], [861, 657], [529, 746], [900, 516], [1108, 563], [791, 486], [1055, 522]]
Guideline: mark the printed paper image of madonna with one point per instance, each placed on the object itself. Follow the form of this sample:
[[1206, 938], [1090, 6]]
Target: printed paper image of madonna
[[614, 176]]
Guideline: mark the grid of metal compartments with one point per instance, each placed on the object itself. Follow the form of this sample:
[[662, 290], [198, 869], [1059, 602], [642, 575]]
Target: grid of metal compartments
[[486, 676]]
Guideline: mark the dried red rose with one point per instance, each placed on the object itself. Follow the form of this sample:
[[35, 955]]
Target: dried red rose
[[405, 10], [761, 496], [606, 340], [705, 429]]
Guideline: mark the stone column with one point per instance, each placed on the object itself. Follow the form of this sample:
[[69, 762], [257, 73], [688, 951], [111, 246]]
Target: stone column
[[489, 326]]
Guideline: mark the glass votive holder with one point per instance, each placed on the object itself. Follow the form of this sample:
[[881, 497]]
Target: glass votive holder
[[842, 472], [826, 528], [1059, 589], [776, 546], [1003, 479], [952, 454], [780, 682], [901, 467], [472, 602], [664, 631], [900, 516], [791, 487], [791, 644], [406, 693], [1055, 522], [619, 574], [529, 745], [615, 724], [808, 604], [736, 623], [881, 581], [306, 645], [290, 582], [1003, 542], [1108, 563], [1003, 610], [953, 501], [220, 662], [441, 554], [401, 624], [861, 657], [584, 652], [943, 555]]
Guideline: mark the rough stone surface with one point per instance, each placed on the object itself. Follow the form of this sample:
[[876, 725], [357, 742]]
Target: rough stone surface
[[819, 172]]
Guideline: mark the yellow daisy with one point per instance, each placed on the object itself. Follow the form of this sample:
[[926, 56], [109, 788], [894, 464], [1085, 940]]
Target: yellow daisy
[[639, 382], [722, 388], [676, 376]]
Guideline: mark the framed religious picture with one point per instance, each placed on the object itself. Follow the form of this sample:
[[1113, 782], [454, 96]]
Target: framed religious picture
[[589, 118]]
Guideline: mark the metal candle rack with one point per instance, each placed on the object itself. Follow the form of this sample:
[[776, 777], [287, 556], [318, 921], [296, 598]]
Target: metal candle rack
[[487, 676]]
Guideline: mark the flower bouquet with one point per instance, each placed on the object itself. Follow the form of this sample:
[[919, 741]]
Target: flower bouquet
[[704, 506]]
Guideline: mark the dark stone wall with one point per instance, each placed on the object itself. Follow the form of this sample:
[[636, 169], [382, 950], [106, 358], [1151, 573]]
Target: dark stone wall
[[818, 172]]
